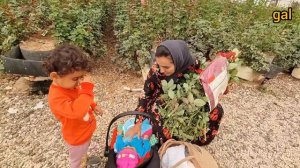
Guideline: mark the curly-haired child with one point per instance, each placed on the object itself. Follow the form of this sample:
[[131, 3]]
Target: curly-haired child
[[71, 99]]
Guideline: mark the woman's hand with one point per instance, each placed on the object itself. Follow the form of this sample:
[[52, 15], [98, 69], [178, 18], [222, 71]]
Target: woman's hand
[[135, 130]]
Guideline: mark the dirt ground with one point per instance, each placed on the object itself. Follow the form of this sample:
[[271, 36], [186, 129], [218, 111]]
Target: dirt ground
[[260, 127], [38, 43]]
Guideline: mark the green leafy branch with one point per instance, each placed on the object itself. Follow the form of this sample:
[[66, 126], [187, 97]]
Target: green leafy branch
[[183, 111]]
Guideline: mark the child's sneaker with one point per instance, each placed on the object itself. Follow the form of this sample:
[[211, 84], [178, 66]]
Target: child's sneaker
[[93, 162]]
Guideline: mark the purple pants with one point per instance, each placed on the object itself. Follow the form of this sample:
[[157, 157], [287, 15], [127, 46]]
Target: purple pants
[[77, 152]]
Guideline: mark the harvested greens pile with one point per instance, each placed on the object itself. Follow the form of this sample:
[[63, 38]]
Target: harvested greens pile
[[184, 111]]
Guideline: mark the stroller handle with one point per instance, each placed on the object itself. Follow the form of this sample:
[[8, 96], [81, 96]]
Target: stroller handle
[[136, 113]]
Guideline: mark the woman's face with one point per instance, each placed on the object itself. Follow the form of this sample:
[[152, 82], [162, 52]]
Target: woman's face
[[166, 65]]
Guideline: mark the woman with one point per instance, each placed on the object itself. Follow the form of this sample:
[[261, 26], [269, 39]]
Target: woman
[[173, 60]]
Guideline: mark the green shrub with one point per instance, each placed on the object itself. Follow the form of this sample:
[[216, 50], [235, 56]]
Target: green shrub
[[209, 26], [19, 19], [80, 23]]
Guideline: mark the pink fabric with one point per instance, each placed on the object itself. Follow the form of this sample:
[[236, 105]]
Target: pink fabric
[[127, 158], [148, 133], [77, 152], [209, 75]]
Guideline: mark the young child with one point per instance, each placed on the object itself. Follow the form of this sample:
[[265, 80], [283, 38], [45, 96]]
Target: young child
[[71, 99]]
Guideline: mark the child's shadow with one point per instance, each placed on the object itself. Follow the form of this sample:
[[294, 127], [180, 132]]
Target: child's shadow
[[40, 87]]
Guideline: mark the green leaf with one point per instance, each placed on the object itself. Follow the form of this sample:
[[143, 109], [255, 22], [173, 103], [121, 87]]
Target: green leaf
[[190, 108], [171, 83], [185, 100], [186, 86], [180, 132], [174, 131], [232, 66], [205, 99], [173, 87], [233, 72], [171, 94], [178, 94], [164, 85], [181, 113], [179, 87], [195, 91], [205, 119], [236, 79], [181, 120], [195, 76], [192, 83], [187, 136], [191, 98], [199, 102]]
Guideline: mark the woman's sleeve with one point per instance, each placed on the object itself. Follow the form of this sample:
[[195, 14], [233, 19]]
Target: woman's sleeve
[[150, 87]]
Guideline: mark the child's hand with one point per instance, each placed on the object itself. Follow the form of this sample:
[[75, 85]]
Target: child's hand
[[135, 130], [98, 110]]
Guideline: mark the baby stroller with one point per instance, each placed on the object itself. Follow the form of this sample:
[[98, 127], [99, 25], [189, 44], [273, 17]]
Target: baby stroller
[[151, 159]]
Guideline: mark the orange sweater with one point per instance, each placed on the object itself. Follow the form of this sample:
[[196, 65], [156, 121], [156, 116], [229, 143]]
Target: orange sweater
[[69, 106]]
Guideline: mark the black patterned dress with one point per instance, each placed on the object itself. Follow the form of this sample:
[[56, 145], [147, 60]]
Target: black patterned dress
[[150, 101]]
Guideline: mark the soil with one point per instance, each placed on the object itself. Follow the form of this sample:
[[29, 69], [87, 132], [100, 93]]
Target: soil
[[38, 43]]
